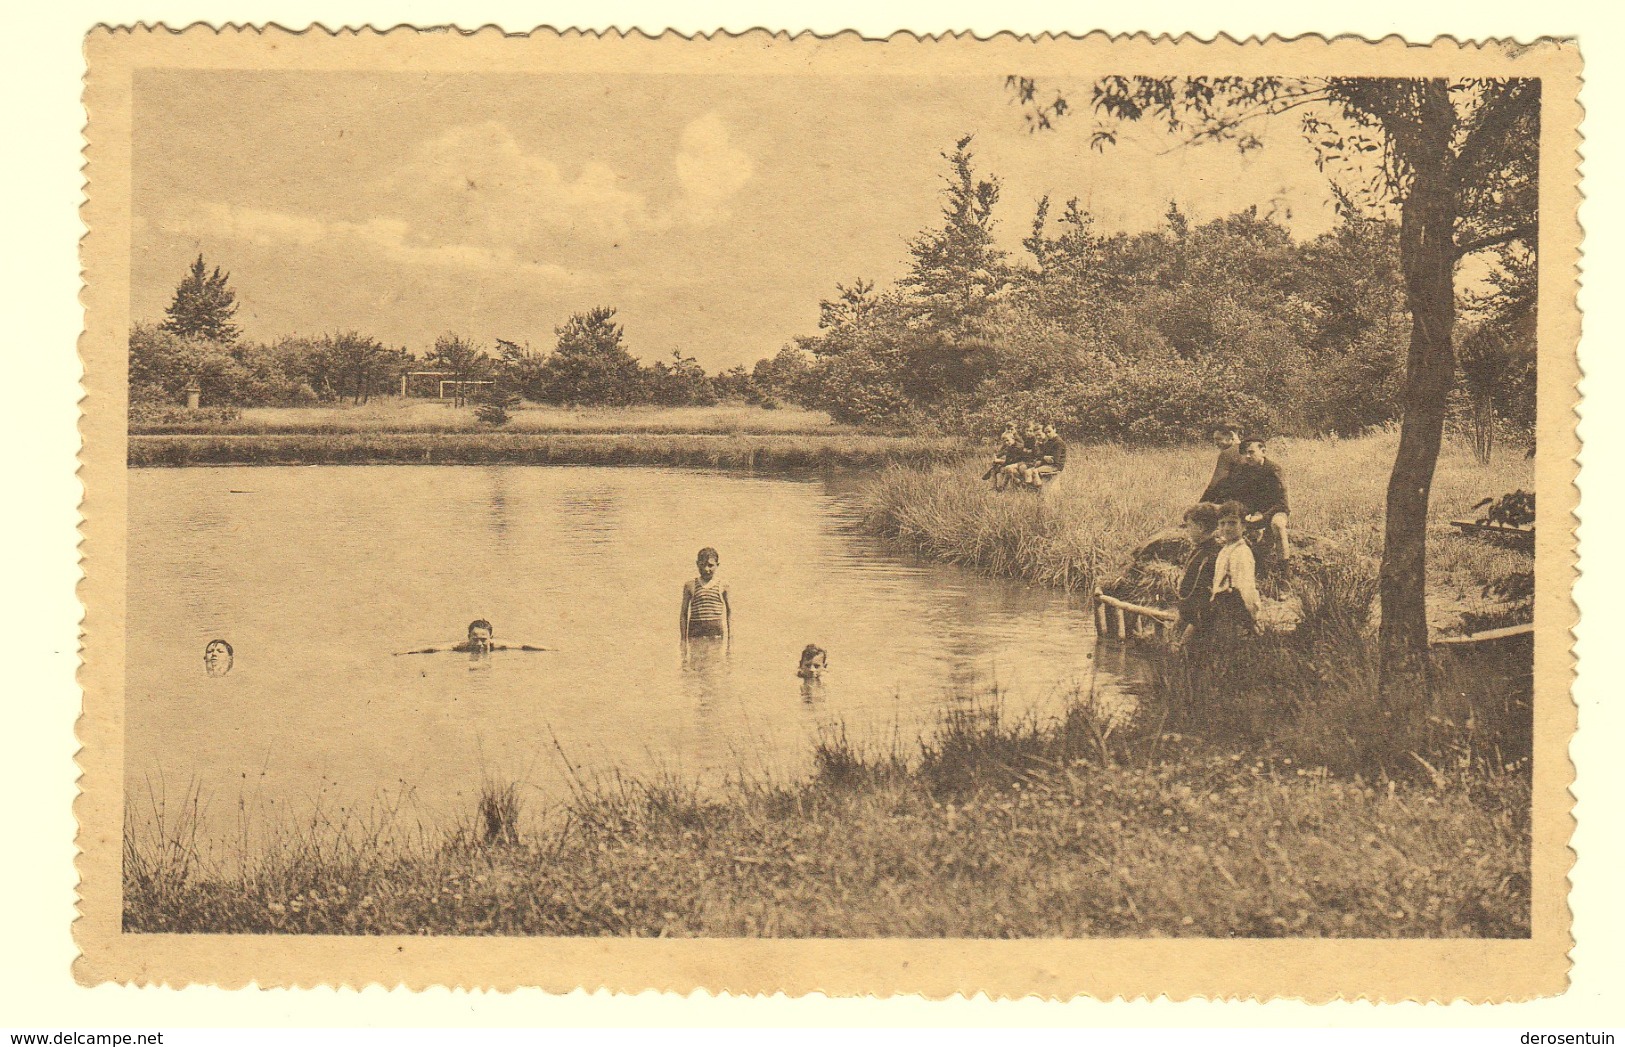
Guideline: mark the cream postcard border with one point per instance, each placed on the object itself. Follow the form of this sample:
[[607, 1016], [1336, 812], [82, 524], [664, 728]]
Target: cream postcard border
[[1315, 970]]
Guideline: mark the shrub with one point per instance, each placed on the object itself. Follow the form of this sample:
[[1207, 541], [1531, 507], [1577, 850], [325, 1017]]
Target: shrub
[[493, 403]]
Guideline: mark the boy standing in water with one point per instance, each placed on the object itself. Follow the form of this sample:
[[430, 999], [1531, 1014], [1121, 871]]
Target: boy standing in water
[[705, 610]]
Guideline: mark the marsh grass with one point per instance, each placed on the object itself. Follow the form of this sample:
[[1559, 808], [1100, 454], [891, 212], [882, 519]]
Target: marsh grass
[[498, 810], [711, 451], [1080, 533]]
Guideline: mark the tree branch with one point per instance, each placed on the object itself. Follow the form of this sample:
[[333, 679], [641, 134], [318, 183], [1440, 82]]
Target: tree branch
[[1523, 231]]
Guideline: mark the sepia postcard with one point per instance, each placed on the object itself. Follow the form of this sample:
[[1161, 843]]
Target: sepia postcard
[[762, 513]]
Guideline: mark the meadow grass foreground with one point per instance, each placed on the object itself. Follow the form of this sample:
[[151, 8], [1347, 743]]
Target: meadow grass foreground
[[990, 829]]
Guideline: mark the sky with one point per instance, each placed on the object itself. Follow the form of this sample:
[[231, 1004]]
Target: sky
[[712, 211]]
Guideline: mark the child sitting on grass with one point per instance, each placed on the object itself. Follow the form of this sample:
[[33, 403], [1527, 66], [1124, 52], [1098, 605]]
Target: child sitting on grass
[[1196, 583], [1009, 451], [1234, 607]]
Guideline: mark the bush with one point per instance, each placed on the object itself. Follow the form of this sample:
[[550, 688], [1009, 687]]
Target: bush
[[493, 404]]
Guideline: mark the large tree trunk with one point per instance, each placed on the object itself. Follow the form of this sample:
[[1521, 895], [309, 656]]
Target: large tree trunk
[[1427, 255]]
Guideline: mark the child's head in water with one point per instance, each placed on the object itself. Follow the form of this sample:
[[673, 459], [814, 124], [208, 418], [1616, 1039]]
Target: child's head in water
[[707, 562], [217, 658], [814, 660], [479, 633]]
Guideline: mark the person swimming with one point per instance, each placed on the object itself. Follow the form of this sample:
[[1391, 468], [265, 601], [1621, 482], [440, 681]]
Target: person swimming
[[218, 657], [814, 660], [481, 640]]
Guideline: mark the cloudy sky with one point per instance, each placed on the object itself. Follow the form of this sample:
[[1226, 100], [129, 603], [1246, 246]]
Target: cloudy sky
[[712, 211]]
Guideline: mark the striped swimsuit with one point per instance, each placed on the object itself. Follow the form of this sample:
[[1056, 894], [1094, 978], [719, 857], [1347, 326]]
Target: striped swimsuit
[[707, 610]]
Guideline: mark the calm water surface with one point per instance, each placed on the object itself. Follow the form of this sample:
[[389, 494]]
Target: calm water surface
[[317, 575]]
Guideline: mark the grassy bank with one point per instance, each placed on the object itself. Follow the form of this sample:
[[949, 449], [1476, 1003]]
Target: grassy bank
[[1111, 499], [990, 829], [394, 415], [494, 447]]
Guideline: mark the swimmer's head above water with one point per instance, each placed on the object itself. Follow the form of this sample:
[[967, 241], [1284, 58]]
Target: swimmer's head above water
[[217, 658], [479, 635], [814, 660]]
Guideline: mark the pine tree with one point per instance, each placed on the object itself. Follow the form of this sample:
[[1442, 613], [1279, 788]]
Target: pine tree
[[203, 305], [958, 269]]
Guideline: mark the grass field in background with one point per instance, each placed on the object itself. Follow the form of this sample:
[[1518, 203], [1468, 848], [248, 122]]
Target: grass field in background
[[396, 415]]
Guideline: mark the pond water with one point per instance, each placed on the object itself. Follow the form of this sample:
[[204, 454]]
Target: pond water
[[318, 575]]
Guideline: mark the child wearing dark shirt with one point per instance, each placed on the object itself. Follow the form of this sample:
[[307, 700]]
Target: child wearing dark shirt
[[1009, 451], [1260, 486], [1196, 583], [1228, 442]]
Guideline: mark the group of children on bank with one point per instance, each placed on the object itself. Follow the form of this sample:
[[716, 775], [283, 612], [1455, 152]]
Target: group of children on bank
[[1245, 499], [1030, 456], [1218, 590]]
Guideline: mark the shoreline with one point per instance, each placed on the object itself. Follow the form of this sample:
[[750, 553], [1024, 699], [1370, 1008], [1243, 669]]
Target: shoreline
[[690, 449]]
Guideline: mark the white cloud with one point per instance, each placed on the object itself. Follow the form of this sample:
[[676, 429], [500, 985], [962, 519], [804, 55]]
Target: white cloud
[[474, 199], [711, 168], [481, 175], [387, 238]]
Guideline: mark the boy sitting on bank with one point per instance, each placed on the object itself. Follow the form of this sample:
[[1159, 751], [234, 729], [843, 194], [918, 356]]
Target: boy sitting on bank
[[1009, 451], [1227, 439], [1234, 609], [1049, 457], [1260, 486]]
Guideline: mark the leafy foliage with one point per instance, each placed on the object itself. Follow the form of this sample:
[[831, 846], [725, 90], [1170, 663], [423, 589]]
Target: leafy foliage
[[1143, 337], [591, 364]]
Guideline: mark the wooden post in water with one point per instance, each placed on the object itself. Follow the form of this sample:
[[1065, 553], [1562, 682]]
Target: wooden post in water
[[1100, 615]]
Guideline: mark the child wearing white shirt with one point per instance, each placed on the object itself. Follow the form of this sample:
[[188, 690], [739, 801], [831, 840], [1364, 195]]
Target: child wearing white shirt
[[1235, 577]]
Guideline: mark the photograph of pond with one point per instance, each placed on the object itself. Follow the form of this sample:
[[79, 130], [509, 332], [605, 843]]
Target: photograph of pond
[[796, 505]]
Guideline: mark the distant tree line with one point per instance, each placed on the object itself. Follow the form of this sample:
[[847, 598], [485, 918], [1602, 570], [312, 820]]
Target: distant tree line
[[1137, 337], [1146, 337], [198, 347]]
